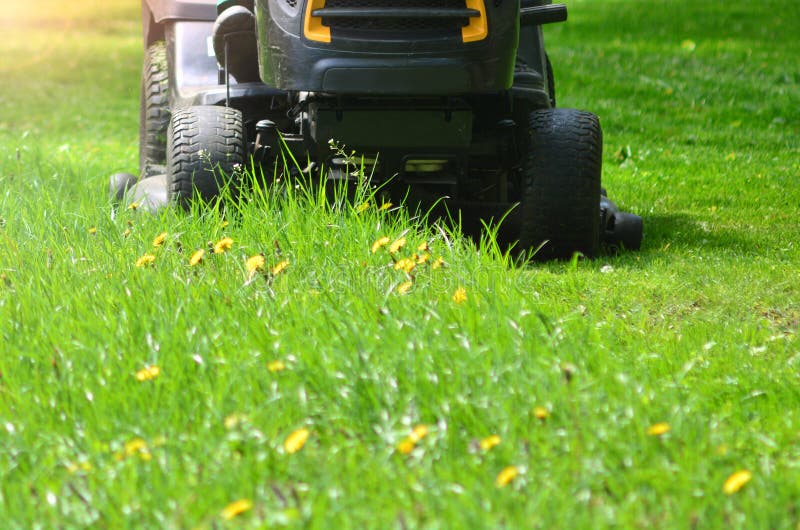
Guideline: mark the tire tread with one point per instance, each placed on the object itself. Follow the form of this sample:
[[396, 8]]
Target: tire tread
[[204, 143], [561, 194], [154, 112]]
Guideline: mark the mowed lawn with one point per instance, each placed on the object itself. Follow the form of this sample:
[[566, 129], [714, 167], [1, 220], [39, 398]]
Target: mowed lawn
[[326, 388]]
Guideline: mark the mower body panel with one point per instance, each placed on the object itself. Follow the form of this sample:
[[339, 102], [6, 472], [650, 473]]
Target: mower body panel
[[414, 47], [194, 75], [163, 10]]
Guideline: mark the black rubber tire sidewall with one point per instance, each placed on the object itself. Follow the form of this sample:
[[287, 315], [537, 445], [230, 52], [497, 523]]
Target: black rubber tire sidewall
[[551, 81], [561, 184], [205, 150], [153, 110]]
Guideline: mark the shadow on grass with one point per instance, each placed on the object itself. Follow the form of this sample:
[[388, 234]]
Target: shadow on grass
[[663, 232], [666, 236]]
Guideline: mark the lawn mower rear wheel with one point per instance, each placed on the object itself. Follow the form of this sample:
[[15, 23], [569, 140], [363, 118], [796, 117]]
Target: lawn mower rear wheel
[[154, 111], [561, 184]]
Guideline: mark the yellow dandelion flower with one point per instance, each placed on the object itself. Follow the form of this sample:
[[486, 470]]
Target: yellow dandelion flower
[[145, 260], [418, 433], [236, 508], [736, 481], [222, 245], [438, 262], [93, 230], [255, 263], [296, 440], [397, 245], [540, 413], [379, 243], [406, 446], [409, 442], [234, 420], [133, 206], [137, 447], [362, 207], [276, 366], [404, 287], [385, 206], [134, 446], [422, 258], [423, 247], [460, 295], [505, 477], [657, 429], [280, 267], [489, 442], [197, 257], [74, 467], [159, 239], [148, 373], [405, 264]]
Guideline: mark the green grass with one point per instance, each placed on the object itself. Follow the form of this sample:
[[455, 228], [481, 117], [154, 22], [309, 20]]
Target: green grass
[[701, 115]]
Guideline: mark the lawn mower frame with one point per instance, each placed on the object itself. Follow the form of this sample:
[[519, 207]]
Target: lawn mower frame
[[448, 103]]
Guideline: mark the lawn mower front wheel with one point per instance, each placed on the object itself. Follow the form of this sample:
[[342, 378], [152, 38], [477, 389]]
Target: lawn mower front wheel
[[561, 184], [205, 151]]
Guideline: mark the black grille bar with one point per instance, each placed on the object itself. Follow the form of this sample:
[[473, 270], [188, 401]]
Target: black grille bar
[[393, 12]]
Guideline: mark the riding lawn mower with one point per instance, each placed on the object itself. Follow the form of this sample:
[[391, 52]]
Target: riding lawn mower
[[448, 103]]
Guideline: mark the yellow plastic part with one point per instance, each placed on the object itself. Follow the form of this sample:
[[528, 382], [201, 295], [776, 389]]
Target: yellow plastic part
[[312, 26], [314, 30], [477, 29]]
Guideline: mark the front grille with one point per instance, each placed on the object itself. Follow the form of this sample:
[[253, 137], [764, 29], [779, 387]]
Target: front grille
[[395, 19], [402, 4]]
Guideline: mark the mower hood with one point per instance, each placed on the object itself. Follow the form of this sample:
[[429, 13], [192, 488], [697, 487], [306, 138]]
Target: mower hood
[[182, 9]]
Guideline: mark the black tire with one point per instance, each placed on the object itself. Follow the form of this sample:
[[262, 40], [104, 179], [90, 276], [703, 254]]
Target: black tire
[[551, 81], [560, 207], [205, 148], [154, 111]]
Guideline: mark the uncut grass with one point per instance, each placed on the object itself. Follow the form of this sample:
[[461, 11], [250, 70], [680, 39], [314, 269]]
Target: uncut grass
[[696, 330], [364, 366]]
